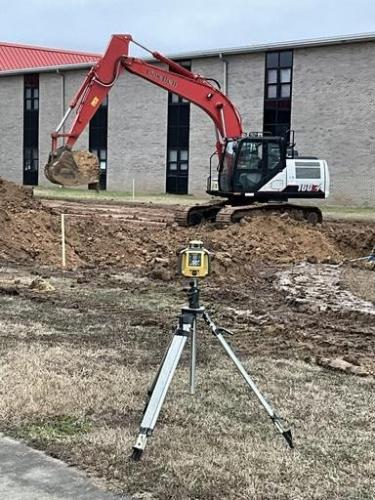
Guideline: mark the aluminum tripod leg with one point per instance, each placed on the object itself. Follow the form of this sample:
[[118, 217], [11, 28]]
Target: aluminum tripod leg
[[193, 354], [164, 377], [271, 413]]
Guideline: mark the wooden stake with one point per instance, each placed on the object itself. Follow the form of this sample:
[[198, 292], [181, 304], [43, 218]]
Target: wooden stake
[[63, 259]]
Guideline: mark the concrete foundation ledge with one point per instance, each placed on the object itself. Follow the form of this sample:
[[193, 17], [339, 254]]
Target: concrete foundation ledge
[[28, 474]]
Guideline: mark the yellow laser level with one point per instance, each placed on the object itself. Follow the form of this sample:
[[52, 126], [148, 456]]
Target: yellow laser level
[[194, 260]]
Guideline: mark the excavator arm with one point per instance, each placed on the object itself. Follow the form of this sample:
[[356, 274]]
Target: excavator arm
[[64, 168]]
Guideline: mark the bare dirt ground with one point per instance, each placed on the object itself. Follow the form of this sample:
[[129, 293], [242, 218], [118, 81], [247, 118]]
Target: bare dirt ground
[[80, 347]]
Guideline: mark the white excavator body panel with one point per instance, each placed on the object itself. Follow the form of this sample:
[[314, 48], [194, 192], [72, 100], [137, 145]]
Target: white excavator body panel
[[301, 176]]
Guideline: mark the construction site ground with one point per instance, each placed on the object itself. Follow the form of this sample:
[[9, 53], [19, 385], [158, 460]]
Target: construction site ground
[[80, 347]]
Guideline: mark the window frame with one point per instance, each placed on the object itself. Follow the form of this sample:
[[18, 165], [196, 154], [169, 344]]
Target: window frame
[[278, 95], [98, 141], [279, 83], [178, 141]]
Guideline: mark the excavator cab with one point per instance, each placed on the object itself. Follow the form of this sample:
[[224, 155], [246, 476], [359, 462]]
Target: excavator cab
[[249, 163]]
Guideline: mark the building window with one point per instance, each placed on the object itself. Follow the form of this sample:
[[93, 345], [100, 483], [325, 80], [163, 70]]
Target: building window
[[31, 129], [98, 139], [278, 92], [178, 142], [31, 98]]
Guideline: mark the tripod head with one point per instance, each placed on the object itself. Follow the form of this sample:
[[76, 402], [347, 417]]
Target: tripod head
[[193, 293]]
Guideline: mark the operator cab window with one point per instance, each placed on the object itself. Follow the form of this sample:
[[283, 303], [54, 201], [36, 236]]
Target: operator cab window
[[274, 156], [228, 165], [256, 163], [251, 156]]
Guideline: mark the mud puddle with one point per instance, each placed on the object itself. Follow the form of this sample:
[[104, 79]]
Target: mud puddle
[[321, 288]]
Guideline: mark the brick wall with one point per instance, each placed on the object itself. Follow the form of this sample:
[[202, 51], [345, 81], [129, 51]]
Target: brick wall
[[333, 115], [11, 128], [50, 113], [137, 136]]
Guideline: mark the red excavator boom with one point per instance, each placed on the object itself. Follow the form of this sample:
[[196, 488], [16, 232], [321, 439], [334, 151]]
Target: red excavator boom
[[177, 79]]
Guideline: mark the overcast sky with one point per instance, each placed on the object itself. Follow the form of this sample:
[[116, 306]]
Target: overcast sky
[[173, 26]]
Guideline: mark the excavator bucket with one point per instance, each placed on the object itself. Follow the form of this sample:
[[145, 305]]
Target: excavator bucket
[[72, 168]]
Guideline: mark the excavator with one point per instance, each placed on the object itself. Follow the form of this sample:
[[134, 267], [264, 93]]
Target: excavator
[[253, 172]]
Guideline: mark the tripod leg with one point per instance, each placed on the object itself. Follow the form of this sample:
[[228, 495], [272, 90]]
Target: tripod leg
[[162, 381], [193, 356], [151, 388], [287, 434], [158, 394]]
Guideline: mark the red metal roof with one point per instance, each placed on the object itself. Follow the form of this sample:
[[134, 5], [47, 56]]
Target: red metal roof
[[14, 56]]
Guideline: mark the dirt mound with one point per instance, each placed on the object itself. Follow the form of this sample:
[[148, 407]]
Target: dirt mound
[[15, 198], [29, 232], [235, 248], [354, 239]]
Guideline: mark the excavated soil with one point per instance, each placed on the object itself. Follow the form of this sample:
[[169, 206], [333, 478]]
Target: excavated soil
[[105, 237], [30, 232]]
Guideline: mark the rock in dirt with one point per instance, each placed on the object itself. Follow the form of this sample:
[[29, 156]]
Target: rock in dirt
[[160, 273], [342, 365], [41, 285]]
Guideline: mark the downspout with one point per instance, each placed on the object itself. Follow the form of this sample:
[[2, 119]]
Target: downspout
[[62, 94], [225, 73]]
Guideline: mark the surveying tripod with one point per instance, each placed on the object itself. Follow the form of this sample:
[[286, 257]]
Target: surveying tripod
[[158, 391]]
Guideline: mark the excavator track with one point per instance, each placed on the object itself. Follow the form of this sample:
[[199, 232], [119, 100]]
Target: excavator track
[[192, 216], [230, 215]]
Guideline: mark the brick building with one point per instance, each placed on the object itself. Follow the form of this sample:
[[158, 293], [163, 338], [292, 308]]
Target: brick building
[[322, 89]]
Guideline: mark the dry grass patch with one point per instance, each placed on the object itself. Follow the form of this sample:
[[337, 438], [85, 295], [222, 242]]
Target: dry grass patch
[[85, 406], [74, 371]]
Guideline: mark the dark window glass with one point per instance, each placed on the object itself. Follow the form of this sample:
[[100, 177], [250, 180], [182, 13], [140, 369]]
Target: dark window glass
[[31, 129], [283, 116], [271, 91], [31, 93], [183, 137], [285, 90], [285, 75], [278, 76], [272, 76], [173, 116], [98, 140], [178, 143], [272, 59], [284, 104], [270, 116], [277, 94], [286, 59], [172, 137], [184, 117]]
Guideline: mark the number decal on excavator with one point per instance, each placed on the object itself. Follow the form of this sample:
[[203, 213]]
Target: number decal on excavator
[[94, 102], [309, 187]]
